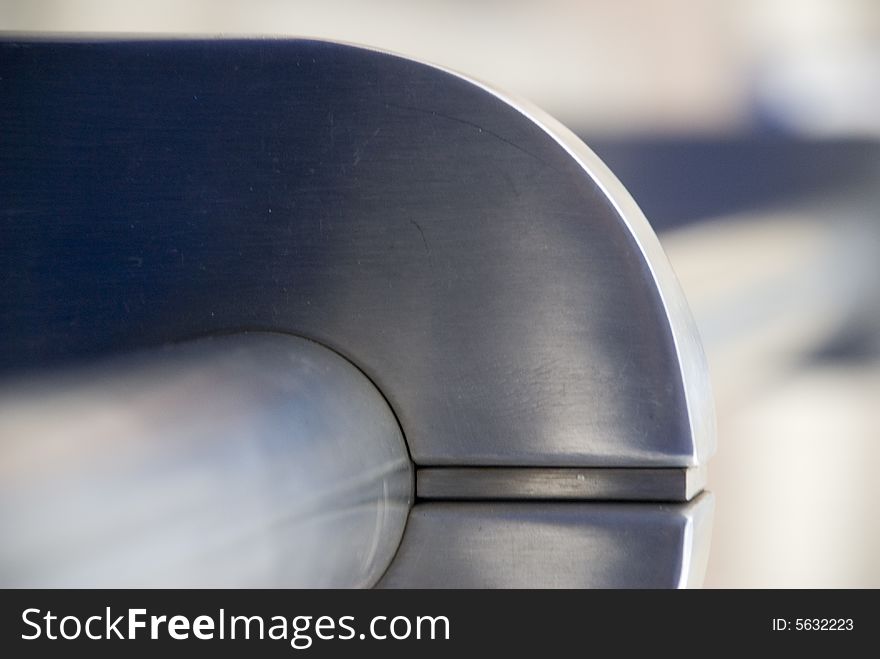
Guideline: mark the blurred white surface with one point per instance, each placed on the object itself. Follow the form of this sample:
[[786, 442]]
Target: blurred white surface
[[604, 64], [796, 484], [597, 65], [799, 443]]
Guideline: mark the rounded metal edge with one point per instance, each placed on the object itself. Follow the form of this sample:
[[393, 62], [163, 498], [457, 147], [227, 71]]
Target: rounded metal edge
[[693, 364]]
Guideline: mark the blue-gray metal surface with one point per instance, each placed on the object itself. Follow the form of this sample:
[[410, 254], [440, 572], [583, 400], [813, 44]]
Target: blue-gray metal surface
[[471, 256]]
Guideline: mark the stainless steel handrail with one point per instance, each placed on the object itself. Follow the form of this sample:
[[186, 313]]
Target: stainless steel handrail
[[248, 460]]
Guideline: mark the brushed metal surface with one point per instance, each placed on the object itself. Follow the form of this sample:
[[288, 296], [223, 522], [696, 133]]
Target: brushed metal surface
[[547, 483], [256, 460], [466, 252], [553, 545]]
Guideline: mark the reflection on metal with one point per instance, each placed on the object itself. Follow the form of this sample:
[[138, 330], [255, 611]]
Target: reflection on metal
[[560, 483], [250, 460], [470, 255], [567, 545]]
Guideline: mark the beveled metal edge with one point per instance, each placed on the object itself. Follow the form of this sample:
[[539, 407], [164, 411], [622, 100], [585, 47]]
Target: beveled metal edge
[[563, 544], [560, 484], [698, 541]]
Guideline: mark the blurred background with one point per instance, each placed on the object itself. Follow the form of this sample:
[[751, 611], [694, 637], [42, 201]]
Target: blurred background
[[748, 131]]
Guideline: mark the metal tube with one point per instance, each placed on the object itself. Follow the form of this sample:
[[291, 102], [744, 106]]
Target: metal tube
[[257, 460]]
